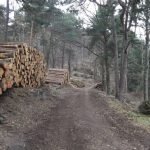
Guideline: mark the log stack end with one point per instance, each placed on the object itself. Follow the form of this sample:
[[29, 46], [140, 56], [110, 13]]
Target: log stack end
[[20, 65]]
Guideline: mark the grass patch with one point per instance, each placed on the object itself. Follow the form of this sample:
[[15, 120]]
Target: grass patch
[[137, 118]]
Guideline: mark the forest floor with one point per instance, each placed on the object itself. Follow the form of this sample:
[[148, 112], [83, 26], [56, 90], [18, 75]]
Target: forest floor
[[66, 119]]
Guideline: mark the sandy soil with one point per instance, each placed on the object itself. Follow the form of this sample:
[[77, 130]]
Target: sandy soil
[[75, 119]]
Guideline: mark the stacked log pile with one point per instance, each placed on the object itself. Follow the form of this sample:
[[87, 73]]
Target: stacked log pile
[[20, 65], [57, 76]]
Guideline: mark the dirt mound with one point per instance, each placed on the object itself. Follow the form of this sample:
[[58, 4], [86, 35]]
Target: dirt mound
[[23, 109]]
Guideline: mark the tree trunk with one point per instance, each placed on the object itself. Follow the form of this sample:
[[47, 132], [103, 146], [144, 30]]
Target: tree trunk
[[107, 69], [69, 62], [7, 21], [123, 70], [146, 63], [31, 32], [95, 69], [53, 58], [116, 57], [103, 77], [63, 56], [102, 71], [126, 21], [47, 50]]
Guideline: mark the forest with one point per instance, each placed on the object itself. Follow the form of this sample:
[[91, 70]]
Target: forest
[[74, 75], [100, 36]]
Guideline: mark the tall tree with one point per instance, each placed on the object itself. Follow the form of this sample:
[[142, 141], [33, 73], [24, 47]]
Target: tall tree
[[112, 6], [2, 22], [127, 18], [101, 30], [7, 20], [146, 63]]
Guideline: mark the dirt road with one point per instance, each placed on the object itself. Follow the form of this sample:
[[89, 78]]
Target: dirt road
[[82, 120]]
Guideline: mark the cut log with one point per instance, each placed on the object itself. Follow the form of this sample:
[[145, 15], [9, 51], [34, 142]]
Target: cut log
[[1, 72], [1, 92], [21, 65], [6, 55], [57, 76]]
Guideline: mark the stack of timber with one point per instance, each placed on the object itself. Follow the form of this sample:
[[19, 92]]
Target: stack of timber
[[20, 65], [57, 76]]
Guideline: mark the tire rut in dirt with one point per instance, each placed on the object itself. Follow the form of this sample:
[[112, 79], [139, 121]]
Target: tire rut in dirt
[[58, 132]]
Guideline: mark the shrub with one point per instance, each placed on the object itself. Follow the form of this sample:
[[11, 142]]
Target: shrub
[[145, 108]]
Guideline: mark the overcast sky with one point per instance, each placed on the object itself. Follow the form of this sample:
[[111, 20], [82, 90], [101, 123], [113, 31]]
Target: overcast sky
[[12, 3]]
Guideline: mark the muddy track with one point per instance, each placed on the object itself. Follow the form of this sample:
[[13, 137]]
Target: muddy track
[[82, 120]]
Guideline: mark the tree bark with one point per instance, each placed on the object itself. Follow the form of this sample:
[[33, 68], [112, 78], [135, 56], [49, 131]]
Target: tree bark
[[95, 69], [47, 50], [102, 70], [53, 58], [126, 19], [7, 21], [69, 62], [124, 58], [31, 32], [107, 69], [116, 56], [123, 71], [146, 63], [63, 56]]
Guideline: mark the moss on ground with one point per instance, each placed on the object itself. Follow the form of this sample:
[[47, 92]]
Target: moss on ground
[[136, 117]]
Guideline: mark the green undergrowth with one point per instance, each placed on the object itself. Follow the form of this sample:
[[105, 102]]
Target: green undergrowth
[[136, 117]]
